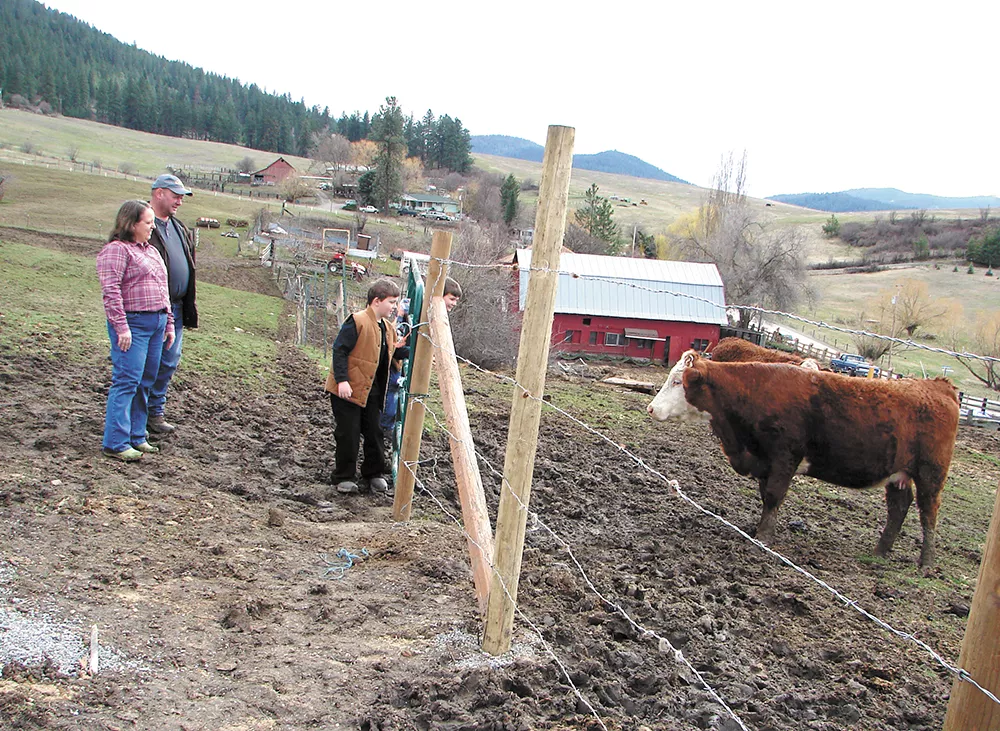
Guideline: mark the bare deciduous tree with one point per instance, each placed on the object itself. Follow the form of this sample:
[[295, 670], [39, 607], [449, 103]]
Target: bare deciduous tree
[[986, 341], [294, 187], [246, 164], [484, 326], [331, 150], [760, 265]]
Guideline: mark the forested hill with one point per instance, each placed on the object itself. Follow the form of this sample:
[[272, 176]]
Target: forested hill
[[54, 63], [882, 199], [610, 161]]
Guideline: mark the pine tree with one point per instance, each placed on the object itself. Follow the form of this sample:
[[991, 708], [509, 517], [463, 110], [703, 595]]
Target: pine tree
[[595, 217], [387, 132], [508, 198]]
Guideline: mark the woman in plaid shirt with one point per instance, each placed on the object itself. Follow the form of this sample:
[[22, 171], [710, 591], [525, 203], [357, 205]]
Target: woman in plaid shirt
[[137, 304]]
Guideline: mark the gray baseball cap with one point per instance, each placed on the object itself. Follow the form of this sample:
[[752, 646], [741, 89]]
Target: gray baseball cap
[[171, 183]]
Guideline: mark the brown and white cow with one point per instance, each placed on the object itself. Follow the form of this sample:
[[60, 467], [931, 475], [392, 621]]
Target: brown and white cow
[[777, 420]]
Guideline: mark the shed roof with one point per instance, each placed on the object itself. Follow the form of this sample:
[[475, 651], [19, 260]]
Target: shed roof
[[648, 289]]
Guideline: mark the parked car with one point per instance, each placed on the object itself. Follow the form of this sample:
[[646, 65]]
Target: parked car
[[436, 216], [852, 364], [368, 209], [407, 211], [350, 205]]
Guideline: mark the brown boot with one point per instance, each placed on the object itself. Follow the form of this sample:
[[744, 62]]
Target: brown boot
[[158, 425]]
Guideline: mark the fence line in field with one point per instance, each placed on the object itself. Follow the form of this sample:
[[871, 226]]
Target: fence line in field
[[675, 487], [639, 628]]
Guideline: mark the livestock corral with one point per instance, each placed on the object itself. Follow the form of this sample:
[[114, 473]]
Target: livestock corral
[[213, 576]]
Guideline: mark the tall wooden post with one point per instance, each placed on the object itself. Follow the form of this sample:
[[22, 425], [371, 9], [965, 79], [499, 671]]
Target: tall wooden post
[[525, 414], [463, 454], [420, 380], [968, 708]]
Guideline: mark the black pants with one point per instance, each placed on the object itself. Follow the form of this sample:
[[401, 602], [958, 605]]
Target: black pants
[[354, 423]]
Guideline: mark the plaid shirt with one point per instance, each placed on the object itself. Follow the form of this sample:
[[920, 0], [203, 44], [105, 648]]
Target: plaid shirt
[[133, 279]]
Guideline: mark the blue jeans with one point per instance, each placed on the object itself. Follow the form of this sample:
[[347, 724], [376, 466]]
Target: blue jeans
[[132, 374], [169, 360]]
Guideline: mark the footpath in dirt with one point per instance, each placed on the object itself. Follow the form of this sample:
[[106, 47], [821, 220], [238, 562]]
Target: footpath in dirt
[[213, 576]]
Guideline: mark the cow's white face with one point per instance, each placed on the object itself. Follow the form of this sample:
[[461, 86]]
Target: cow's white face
[[670, 402]]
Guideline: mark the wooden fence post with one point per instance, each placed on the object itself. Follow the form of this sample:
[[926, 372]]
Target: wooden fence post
[[475, 516], [968, 707], [423, 357], [532, 361]]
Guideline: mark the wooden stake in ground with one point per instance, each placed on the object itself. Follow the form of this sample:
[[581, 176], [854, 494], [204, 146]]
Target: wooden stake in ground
[[532, 360], [968, 707], [420, 380], [463, 453]]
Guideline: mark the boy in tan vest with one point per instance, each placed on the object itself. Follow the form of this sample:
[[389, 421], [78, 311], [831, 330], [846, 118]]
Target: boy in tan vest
[[362, 355]]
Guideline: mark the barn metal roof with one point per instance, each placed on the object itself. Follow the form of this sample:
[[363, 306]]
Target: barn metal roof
[[615, 286]]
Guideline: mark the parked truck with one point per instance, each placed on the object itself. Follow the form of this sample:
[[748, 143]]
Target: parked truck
[[852, 364]]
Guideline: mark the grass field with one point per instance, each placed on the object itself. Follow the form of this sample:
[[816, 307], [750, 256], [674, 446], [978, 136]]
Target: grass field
[[47, 293], [54, 136]]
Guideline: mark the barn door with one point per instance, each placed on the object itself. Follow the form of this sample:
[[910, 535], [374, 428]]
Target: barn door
[[666, 351]]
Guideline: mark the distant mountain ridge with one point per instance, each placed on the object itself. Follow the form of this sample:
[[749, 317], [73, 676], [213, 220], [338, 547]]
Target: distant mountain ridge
[[882, 199], [609, 161]]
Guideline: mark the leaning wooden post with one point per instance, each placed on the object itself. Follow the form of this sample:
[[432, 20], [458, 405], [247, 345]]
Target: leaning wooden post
[[525, 413], [969, 708], [420, 380], [463, 453]]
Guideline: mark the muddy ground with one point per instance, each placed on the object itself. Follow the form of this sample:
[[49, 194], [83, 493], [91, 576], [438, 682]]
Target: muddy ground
[[206, 570]]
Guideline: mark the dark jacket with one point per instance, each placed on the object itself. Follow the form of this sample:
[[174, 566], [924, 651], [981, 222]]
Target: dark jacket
[[189, 308]]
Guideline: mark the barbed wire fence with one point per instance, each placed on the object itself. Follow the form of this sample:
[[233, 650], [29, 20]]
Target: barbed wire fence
[[674, 486]]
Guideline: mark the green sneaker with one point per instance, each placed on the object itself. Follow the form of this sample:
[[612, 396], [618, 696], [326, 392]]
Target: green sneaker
[[126, 455], [145, 448]]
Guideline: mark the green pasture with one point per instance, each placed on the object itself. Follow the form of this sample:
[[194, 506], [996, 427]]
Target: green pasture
[[149, 154], [51, 296], [57, 200]]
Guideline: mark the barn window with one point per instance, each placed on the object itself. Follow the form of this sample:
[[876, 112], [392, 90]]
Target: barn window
[[699, 344], [572, 336], [586, 321], [643, 344], [593, 338], [614, 339]]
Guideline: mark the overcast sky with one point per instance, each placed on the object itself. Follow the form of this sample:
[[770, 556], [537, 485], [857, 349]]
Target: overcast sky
[[822, 96]]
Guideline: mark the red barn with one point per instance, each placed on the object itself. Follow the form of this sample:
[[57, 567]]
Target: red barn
[[273, 173], [619, 306]]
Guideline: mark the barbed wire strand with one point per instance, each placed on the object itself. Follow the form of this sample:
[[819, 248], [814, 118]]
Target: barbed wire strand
[[675, 485], [753, 308], [548, 648], [640, 629]]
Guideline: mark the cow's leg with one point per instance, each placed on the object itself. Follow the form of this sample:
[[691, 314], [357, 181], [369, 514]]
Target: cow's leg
[[898, 497], [772, 493], [928, 502]]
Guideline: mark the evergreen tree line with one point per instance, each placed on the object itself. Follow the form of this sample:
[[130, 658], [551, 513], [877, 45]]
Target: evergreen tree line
[[50, 57]]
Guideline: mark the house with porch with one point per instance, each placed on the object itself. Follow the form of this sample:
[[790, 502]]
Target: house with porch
[[420, 202], [638, 308]]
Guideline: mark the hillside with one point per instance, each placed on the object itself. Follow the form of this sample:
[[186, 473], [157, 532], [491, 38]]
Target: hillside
[[53, 137], [883, 199], [609, 161]]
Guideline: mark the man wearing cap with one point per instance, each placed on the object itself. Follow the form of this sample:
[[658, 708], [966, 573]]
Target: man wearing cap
[[173, 240]]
